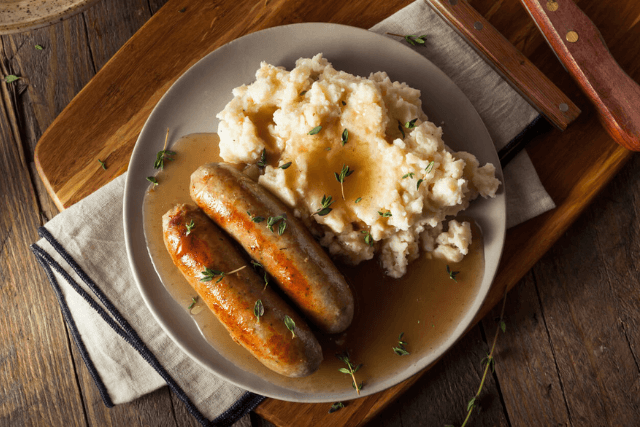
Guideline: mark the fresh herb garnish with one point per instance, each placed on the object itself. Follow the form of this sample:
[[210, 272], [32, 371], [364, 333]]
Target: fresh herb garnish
[[315, 130], [194, 300], [190, 227], [358, 200], [163, 154], [452, 274], [408, 175], [345, 172], [290, 324], [303, 93], [285, 166], [386, 214], [273, 220], [153, 180], [488, 362], [256, 264], [258, 309], [263, 159], [400, 350], [429, 167], [104, 166], [266, 278], [38, 47], [367, 237], [209, 274], [11, 78], [411, 124], [345, 136], [336, 407], [412, 39], [351, 369], [256, 219], [418, 183], [324, 209], [401, 128]]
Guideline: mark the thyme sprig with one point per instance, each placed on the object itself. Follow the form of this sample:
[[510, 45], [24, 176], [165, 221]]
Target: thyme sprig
[[488, 361], [163, 154], [290, 324], [315, 130], [258, 309], [400, 350], [153, 180], [367, 237], [263, 159], [351, 369], [209, 274], [190, 226], [256, 264], [452, 274], [336, 407], [254, 218], [103, 164], [325, 207], [273, 220], [345, 136], [412, 39], [344, 173], [194, 300]]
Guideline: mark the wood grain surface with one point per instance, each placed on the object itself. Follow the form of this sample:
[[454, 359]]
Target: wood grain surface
[[570, 353]]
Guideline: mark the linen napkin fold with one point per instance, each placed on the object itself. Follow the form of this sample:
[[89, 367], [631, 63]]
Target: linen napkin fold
[[128, 354]]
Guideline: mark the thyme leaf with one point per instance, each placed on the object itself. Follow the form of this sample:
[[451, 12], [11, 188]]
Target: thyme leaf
[[194, 300], [351, 369], [153, 180], [273, 220], [345, 136], [325, 208], [315, 130], [11, 78], [285, 166], [263, 159], [258, 309], [344, 173], [452, 274], [290, 324], [190, 227], [104, 166], [367, 237], [336, 407]]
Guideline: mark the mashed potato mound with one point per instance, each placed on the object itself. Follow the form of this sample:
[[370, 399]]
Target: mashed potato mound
[[403, 181]]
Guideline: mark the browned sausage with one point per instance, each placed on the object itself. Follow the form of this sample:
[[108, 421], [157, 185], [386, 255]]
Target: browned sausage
[[232, 299], [297, 262]]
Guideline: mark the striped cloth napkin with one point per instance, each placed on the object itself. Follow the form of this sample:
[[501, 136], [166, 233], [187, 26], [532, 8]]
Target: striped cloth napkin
[[83, 253]]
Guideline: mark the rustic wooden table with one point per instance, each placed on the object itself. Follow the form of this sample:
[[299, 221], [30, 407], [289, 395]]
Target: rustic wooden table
[[570, 354]]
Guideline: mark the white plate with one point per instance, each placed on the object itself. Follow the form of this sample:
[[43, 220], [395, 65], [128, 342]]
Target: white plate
[[190, 106]]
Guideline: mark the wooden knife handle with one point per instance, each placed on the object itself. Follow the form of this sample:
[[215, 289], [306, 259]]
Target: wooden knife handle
[[581, 48], [508, 61]]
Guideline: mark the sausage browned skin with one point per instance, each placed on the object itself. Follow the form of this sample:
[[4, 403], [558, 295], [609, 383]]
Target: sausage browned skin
[[232, 299], [296, 261]]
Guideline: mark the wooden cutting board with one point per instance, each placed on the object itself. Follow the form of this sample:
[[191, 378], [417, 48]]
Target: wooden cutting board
[[104, 120]]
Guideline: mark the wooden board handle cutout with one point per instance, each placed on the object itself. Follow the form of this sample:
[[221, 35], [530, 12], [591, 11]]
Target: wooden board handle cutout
[[582, 50]]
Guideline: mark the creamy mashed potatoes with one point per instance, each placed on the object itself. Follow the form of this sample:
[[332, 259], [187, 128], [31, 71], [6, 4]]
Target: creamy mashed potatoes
[[403, 181]]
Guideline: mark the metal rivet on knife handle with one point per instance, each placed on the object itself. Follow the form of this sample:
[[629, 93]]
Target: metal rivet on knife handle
[[477, 25], [572, 36], [563, 107], [552, 5]]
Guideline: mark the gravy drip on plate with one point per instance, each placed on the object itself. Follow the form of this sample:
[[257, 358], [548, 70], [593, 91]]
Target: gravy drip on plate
[[425, 304]]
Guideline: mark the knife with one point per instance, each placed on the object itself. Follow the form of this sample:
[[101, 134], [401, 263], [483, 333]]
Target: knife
[[581, 49]]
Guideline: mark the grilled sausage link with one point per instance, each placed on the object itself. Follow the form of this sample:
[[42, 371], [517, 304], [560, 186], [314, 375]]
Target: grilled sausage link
[[297, 262], [232, 299]]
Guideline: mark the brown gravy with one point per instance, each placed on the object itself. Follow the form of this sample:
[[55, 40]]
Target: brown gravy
[[425, 304]]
